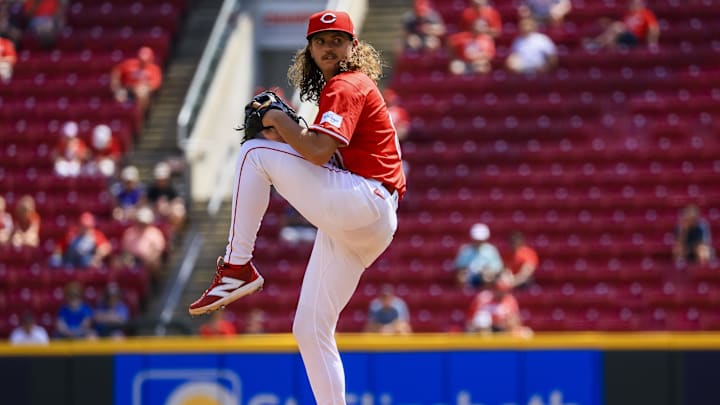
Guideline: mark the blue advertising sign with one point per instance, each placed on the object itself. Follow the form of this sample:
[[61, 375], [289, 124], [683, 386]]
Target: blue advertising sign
[[562, 377], [375, 378]]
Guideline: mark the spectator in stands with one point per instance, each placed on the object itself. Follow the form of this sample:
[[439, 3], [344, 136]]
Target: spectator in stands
[[495, 309], [550, 12], [471, 51], [143, 243], [218, 325], [10, 26], [29, 332], [294, 228], [693, 242], [112, 315], [531, 51], [136, 79], [106, 152], [70, 153], [8, 58], [424, 27], [388, 314], [129, 194], [523, 261], [6, 223], [478, 262], [75, 318], [45, 19], [481, 9], [255, 322], [164, 198], [84, 245], [639, 25], [26, 223]]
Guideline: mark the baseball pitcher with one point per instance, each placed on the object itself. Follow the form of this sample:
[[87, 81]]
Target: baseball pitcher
[[343, 173]]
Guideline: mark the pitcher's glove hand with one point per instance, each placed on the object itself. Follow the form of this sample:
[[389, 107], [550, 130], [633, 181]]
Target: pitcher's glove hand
[[256, 109]]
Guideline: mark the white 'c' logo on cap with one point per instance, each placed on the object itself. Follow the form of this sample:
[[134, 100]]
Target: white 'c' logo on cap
[[328, 18]]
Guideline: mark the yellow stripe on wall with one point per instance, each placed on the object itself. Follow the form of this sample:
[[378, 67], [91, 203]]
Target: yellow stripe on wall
[[285, 343]]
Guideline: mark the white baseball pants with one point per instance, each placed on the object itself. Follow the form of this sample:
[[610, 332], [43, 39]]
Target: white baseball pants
[[356, 221]]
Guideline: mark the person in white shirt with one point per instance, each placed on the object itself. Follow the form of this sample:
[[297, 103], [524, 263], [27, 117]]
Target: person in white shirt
[[29, 333], [531, 51]]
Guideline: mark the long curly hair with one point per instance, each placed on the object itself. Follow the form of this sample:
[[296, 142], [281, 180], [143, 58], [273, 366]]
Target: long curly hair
[[305, 74]]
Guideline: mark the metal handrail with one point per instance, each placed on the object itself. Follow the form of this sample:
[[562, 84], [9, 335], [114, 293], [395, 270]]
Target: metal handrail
[[202, 76]]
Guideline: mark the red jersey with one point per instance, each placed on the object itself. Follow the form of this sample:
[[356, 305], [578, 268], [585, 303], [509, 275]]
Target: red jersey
[[489, 14], [499, 309], [469, 46], [638, 22], [44, 8], [97, 236], [223, 328], [523, 254], [71, 149], [112, 151], [132, 73], [7, 50], [353, 112]]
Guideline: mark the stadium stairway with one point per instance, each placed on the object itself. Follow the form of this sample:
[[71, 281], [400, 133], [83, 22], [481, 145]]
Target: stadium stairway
[[159, 139], [383, 29]]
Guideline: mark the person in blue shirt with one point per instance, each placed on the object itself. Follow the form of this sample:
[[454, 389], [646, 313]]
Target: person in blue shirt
[[112, 315], [129, 193], [75, 318], [480, 261]]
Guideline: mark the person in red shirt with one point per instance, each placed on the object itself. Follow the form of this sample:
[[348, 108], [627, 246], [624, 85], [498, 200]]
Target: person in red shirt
[[217, 325], [70, 152], [46, 18], [495, 309], [343, 174], [523, 262], [83, 246], [471, 51], [639, 25], [8, 58], [106, 152], [481, 9], [136, 79]]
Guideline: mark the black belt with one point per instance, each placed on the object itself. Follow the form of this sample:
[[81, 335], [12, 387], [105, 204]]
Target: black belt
[[389, 188]]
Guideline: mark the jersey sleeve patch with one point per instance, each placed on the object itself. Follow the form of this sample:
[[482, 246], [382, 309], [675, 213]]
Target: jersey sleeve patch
[[332, 118]]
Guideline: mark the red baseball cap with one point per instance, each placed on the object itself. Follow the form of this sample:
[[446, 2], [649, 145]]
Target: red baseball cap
[[330, 20]]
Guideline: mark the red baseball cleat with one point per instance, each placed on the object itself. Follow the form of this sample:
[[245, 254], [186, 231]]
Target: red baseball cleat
[[231, 282]]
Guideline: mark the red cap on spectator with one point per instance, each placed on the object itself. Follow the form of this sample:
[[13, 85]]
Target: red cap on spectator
[[330, 20], [422, 7]]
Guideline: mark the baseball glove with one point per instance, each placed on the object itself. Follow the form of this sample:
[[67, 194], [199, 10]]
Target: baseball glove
[[254, 114]]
